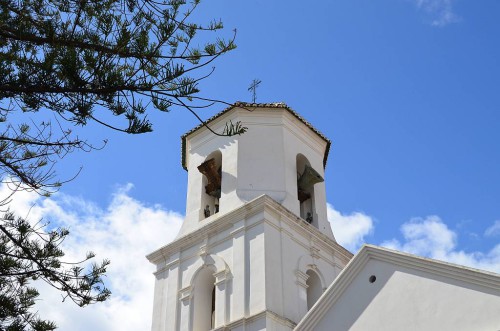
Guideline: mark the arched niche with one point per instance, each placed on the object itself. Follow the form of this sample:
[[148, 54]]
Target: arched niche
[[211, 170], [213, 261], [311, 283], [204, 299], [314, 288], [306, 178], [208, 296]]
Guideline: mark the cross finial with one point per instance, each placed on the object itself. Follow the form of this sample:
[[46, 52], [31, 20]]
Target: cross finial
[[253, 88]]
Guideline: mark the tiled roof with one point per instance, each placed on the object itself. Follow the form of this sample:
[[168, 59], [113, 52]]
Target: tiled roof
[[253, 105]]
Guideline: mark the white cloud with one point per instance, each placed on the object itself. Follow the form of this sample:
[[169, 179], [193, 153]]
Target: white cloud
[[441, 11], [350, 230], [431, 237], [493, 230], [124, 232]]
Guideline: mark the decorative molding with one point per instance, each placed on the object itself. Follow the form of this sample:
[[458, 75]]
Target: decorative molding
[[259, 204], [170, 264], [211, 260], [313, 267], [202, 252], [280, 319], [238, 228], [302, 278], [307, 229], [186, 293], [160, 271], [250, 319], [222, 276], [314, 252]]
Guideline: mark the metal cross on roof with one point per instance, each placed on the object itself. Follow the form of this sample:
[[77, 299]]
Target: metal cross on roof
[[253, 88]]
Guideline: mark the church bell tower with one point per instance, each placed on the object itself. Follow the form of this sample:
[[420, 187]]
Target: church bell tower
[[256, 249]]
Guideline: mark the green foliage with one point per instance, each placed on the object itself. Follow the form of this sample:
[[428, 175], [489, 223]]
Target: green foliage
[[28, 253], [234, 129], [109, 61], [73, 62]]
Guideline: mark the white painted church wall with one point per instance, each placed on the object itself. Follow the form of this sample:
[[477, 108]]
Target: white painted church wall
[[257, 251], [199, 147], [261, 158], [261, 161], [299, 140], [259, 255], [263, 255], [288, 258], [408, 299]]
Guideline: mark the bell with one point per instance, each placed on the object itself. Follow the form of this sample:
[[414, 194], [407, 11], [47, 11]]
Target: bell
[[303, 195], [213, 174], [308, 178]]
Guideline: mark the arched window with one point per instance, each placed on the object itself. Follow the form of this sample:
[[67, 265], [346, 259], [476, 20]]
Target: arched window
[[211, 169], [212, 323], [306, 178], [314, 288], [204, 300]]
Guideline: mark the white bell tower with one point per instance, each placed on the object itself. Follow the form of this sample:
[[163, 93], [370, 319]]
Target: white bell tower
[[255, 250]]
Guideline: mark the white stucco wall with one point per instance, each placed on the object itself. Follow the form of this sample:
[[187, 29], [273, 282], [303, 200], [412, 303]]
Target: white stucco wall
[[404, 298], [261, 161], [257, 246], [260, 253]]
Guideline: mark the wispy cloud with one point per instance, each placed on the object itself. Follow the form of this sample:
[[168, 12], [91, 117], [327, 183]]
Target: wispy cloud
[[431, 237], [493, 230], [125, 231], [440, 11], [350, 230]]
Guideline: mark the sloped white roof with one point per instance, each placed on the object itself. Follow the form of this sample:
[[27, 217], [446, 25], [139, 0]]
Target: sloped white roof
[[425, 267]]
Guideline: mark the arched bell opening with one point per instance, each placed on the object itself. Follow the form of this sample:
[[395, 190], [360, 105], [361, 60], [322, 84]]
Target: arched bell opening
[[204, 300], [211, 170], [306, 178], [314, 288]]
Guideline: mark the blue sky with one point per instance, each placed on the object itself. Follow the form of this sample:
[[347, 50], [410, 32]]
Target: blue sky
[[408, 92], [412, 108]]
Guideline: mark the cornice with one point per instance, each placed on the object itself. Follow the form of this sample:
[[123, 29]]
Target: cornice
[[252, 318], [245, 211], [299, 225]]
